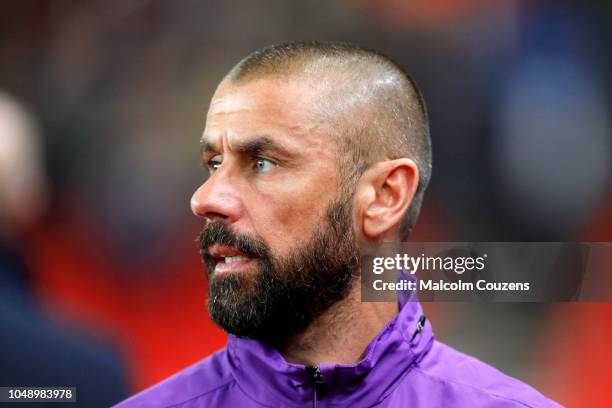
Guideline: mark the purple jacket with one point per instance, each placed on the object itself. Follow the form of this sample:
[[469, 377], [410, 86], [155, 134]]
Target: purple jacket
[[403, 367]]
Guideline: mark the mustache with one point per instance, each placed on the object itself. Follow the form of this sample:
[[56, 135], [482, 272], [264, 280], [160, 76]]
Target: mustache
[[216, 232]]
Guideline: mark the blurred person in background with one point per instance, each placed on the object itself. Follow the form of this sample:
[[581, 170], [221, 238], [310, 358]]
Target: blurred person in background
[[314, 149], [33, 350]]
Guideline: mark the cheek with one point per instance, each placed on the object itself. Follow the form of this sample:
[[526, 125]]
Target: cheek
[[288, 218], [285, 220]]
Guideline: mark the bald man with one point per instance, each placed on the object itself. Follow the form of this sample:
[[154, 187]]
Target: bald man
[[315, 149]]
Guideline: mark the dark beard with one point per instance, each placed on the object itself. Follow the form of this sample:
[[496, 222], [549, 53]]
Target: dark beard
[[285, 294]]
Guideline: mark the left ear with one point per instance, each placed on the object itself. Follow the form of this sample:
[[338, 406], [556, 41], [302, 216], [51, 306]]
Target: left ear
[[385, 193]]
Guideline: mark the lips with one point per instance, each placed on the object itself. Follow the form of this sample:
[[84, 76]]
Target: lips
[[229, 259]]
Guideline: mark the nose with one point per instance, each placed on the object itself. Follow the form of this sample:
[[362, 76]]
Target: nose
[[217, 199]]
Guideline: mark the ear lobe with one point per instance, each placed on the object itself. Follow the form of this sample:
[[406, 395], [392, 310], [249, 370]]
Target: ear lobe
[[394, 185]]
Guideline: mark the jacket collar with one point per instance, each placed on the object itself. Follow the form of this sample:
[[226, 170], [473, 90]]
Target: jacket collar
[[265, 376]]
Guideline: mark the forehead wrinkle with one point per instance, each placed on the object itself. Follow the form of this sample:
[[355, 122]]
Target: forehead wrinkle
[[218, 142], [228, 102], [297, 119]]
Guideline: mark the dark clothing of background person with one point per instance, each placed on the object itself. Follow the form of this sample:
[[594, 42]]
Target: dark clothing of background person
[[34, 352]]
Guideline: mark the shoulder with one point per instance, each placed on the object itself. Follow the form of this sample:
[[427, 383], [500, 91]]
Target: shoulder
[[195, 384], [459, 379]]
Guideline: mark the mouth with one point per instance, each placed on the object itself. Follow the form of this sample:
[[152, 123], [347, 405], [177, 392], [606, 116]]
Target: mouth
[[229, 259]]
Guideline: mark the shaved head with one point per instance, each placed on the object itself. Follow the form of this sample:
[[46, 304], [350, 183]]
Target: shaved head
[[364, 99]]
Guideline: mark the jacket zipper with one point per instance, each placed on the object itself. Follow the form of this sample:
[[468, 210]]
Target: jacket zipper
[[317, 381], [419, 327]]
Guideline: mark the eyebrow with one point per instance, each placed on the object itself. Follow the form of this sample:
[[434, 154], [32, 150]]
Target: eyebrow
[[252, 146]]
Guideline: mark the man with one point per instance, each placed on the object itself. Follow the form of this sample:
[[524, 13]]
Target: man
[[315, 149]]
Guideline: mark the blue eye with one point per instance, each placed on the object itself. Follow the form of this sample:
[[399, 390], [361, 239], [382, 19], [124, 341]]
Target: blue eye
[[264, 165], [214, 163]]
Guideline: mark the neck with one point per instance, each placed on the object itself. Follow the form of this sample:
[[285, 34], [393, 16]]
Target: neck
[[341, 334]]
